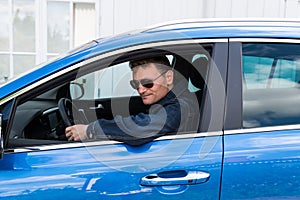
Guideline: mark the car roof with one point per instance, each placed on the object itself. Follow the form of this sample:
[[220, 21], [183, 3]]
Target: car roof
[[208, 28], [219, 22], [285, 28], [176, 30]]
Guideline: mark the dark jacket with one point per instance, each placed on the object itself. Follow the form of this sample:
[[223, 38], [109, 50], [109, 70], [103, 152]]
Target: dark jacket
[[178, 111]]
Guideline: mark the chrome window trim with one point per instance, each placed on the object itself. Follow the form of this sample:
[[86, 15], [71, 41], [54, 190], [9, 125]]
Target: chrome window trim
[[266, 40], [170, 137], [108, 142], [50, 110], [223, 22], [108, 54], [262, 129]]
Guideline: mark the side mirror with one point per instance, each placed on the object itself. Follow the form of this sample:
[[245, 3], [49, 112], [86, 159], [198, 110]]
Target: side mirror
[[77, 90], [1, 139]]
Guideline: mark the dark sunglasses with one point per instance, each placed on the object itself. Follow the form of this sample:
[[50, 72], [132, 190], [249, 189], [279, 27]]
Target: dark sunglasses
[[147, 83]]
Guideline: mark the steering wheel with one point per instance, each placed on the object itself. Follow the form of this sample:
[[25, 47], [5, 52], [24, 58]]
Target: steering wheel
[[70, 113]]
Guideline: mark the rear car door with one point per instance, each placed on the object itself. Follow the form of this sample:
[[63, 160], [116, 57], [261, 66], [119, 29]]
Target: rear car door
[[39, 163], [261, 138]]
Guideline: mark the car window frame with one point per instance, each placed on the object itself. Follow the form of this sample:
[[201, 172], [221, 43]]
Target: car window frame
[[234, 105], [220, 48]]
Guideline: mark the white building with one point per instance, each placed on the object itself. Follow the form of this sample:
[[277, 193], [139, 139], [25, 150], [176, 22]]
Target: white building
[[32, 31]]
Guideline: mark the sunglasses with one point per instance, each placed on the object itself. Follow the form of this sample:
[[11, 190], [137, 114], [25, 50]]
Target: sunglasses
[[147, 83]]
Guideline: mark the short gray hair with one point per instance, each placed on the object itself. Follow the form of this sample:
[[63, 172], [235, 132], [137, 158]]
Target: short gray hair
[[161, 62]]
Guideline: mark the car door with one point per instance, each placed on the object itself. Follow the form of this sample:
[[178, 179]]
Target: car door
[[261, 140], [185, 165]]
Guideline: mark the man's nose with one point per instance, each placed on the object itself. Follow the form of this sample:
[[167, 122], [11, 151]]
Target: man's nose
[[141, 89]]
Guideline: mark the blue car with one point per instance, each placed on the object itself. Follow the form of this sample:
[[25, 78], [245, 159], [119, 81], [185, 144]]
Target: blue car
[[245, 76]]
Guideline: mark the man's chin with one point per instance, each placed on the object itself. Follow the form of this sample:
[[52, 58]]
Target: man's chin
[[147, 101]]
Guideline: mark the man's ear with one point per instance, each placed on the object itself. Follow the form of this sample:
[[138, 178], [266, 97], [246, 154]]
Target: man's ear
[[170, 77]]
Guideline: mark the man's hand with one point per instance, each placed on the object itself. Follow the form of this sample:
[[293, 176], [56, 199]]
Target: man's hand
[[76, 132]]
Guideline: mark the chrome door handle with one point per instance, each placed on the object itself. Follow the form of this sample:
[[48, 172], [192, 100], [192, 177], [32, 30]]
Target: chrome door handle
[[99, 106], [177, 177]]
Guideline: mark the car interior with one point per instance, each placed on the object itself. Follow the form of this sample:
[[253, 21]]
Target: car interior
[[42, 120]]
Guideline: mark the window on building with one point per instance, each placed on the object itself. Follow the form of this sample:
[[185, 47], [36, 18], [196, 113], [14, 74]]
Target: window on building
[[84, 19], [17, 37], [4, 26], [33, 31], [58, 27], [69, 25]]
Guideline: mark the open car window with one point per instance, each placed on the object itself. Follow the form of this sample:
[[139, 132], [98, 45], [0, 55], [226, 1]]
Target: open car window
[[110, 82], [100, 90]]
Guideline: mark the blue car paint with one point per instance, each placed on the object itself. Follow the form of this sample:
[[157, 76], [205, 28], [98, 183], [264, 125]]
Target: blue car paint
[[109, 171], [265, 163]]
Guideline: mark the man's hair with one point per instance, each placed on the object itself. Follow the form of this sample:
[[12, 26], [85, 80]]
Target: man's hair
[[161, 62]]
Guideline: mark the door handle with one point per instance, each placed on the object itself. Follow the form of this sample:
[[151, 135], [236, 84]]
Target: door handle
[[99, 106], [176, 177]]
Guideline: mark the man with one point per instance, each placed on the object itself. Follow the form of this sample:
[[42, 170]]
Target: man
[[173, 108]]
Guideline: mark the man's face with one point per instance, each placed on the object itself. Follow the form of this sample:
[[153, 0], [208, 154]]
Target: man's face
[[161, 85]]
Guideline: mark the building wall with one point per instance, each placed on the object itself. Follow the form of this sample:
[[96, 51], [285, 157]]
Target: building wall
[[123, 15], [32, 31]]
